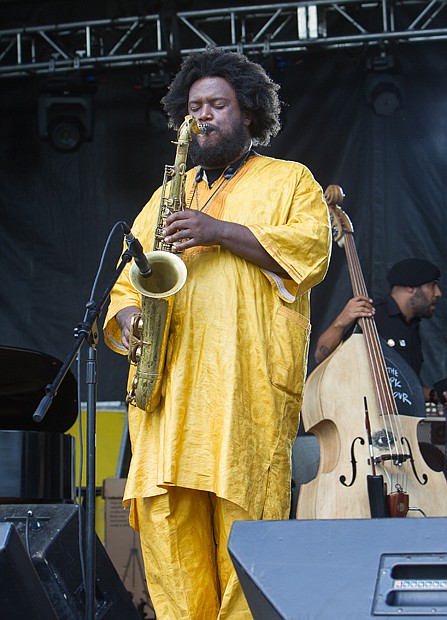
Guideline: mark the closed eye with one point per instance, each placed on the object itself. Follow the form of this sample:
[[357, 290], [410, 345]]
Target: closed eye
[[216, 103]]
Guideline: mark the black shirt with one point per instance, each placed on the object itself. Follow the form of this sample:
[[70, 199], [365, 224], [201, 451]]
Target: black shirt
[[400, 335]]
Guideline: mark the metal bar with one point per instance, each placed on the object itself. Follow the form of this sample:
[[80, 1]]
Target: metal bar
[[19, 48], [392, 18], [433, 15], [124, 38], [266, 25], [6, 50], [53, 44], [197, 31], [248, 32], [384, 16], [350, 19], [251, 9], [233, 28], [88, 45], [424, 13], [281, 27], [121, 21], [159, 36]]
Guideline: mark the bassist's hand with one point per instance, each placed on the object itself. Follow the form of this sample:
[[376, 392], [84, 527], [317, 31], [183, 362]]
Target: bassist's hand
[[359, 306]]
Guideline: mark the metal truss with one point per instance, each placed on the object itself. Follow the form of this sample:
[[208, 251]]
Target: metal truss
[[154, 40]]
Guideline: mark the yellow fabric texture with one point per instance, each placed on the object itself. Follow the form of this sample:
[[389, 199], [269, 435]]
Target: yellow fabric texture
[[202, 521], [238, 344]]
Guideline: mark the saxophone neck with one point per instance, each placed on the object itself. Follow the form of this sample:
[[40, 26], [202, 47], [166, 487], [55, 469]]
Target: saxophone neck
[[173, 195]]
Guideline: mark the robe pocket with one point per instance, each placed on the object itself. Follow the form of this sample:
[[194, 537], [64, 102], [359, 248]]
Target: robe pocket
[[288, 350]]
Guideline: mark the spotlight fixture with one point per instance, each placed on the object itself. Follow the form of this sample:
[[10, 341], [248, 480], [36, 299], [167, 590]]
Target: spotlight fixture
[[384, 84], [65, 116]]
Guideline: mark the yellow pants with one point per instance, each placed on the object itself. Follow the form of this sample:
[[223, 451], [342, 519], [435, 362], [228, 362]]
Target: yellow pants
[[184, 535]]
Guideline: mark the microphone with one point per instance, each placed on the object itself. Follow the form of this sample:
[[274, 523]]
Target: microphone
[[136, 249]]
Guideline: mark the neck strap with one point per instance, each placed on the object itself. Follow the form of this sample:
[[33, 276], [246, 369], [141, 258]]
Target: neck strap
[[229, 171]]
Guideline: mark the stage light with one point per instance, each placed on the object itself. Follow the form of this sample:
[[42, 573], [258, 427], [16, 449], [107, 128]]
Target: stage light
[[65, 120], [385, 93], [384, 84]]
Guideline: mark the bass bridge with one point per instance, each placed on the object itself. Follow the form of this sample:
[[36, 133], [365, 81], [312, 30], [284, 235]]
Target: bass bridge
[[397, 459]]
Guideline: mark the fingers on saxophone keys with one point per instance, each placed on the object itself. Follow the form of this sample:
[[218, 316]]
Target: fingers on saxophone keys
[[170, 237], [179, 236]]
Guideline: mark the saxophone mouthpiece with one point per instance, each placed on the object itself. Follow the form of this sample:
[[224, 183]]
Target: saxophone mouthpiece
[[202, 128]]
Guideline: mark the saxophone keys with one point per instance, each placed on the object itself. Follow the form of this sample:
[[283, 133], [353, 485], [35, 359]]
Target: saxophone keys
[[131, 394], [134, 354]]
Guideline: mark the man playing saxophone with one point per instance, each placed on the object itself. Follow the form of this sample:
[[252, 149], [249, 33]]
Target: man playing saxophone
[[255, 238]]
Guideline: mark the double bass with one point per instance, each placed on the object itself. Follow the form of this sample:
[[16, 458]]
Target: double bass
[[370, 460]]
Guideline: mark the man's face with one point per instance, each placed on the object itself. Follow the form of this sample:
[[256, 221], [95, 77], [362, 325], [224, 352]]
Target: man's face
[[213, 101], [423, 301]]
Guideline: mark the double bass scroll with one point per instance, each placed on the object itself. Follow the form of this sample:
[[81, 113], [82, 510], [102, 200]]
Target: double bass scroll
[[370, 461]]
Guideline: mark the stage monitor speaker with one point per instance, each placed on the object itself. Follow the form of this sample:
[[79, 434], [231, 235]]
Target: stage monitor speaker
[[20, 587], [51, 532], [349, 569]]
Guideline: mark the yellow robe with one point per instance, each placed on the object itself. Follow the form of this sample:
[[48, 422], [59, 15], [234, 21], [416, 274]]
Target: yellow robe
[[238, 344]]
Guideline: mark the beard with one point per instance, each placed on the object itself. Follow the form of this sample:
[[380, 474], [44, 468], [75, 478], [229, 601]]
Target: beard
[[420, 305], [219, 154]]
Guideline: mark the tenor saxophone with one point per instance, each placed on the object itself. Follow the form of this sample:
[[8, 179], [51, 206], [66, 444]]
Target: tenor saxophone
[[150, 330]]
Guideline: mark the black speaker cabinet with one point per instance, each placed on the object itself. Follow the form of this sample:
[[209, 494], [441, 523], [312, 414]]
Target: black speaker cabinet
[[348, 569], [20, 587], [51, 532]]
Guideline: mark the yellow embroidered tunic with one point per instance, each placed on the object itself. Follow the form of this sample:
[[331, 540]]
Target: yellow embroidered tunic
[[238, 344]]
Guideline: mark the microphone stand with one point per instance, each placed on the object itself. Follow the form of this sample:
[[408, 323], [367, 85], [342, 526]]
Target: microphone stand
[[86, 330]]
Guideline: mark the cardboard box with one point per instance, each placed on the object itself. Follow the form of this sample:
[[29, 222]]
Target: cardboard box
[[122, 544]]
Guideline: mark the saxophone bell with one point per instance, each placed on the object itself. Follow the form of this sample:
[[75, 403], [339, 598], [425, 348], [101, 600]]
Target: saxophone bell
[[168, 275], [150, 330]]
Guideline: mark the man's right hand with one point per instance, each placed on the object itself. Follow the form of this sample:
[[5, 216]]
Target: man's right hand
[[124, 318], [359, 306]]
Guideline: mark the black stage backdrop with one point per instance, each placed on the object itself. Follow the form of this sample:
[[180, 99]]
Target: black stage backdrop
[[57, 209]]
